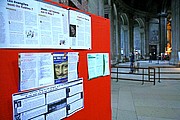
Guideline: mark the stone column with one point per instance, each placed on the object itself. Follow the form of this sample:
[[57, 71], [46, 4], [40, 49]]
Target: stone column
[[163, 34], [125, 40], [116, 35], [109, 13], [146, 39], [113, 42], [142, 41], [119, 38], [131, 35], [175, 6]]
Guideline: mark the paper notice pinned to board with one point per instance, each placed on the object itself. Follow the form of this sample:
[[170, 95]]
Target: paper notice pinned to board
[[98, 65]]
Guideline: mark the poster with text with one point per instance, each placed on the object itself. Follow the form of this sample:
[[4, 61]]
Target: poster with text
[[33, 24], [18, 24], [73, 60], [54, 102], [79, 30], [36, 70], [65, 66], [60, 67], [98, 65], [53, 26], [91, 65], [106, 69]]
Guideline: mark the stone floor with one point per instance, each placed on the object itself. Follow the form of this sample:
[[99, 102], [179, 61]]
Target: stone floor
[[133, 101]]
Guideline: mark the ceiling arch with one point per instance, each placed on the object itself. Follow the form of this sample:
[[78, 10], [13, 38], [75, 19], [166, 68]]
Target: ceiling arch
[[124, 19], [140, 22], [148, 8]]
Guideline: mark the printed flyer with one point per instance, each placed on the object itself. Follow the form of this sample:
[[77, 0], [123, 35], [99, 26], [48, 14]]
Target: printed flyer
[[43, 69], [36, 70], [60, 67]]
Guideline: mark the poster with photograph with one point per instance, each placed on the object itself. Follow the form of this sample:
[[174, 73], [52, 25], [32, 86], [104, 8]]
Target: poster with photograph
[[42, 69], [19, 26], [79, 30], [65, 66], [60, 67], [33, 24]]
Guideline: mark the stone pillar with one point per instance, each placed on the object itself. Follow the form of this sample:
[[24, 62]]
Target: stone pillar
[[119, 38], [146, 39], [116, 35], [93, 6], [126, 36], [101, 8], [125, 40], [142, 41], [163, 34], [131, 35], [112, 39], [169, 38], [175, 6], [109, 13], [80, 5]]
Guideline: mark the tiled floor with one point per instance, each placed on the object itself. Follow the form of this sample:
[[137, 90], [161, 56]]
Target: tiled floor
[[133, 101]]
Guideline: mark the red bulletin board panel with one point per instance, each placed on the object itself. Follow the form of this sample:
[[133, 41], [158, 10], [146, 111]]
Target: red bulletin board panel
[[97, 92]]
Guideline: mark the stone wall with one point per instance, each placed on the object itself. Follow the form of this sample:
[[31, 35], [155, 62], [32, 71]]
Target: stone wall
[[96, 7], [80, 4]]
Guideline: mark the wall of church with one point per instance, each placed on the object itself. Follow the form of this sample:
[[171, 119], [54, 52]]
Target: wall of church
[[153, 31], [175, 32], [80, 4], [96, 7], [137, 45]]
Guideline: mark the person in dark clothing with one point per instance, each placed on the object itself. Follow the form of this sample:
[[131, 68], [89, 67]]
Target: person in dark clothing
[[150, 57], [132, 62]]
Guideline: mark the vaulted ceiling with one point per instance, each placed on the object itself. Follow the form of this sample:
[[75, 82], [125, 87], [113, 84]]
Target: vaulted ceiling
[[150, 6]]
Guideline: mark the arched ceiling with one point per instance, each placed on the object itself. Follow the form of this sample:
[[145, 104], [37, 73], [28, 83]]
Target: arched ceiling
[[150, 6]]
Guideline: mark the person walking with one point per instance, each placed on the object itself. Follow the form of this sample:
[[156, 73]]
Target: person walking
[[131, 62], [150, 57]]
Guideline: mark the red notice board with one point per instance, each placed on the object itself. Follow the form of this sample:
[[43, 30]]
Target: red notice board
[[97, 92]]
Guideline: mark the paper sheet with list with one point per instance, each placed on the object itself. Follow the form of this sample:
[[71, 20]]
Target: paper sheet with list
[[98, 65], [33, 24], [52, 102], [79, 30], [106, 69], [36, 70]]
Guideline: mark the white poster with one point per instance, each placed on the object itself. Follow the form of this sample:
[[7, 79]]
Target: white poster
[[33, 24], [19, 24], [53, 102], [179, 55], [53, 26], [36, 69], [106, 69], [73, 66], [98, 64], [42, 69], [79, 30], [91, 65]]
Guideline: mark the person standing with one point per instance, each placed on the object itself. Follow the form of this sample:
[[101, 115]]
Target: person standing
[[150, 57], [132, 62]]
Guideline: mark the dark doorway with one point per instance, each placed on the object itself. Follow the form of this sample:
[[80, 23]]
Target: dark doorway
[[153, 51]]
